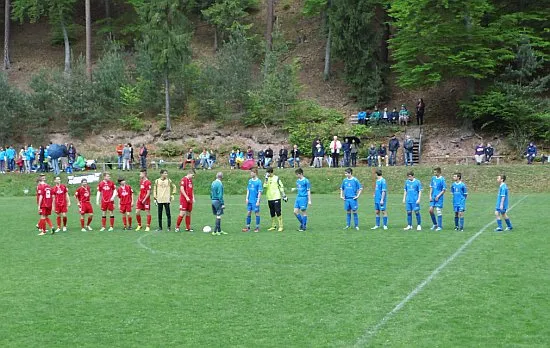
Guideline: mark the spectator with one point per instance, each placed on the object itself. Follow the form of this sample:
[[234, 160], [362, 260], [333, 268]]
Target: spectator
[[31, 155], [71, 153], [10, 158], [313, 147], [361, 117], [143, 156], [489, 151], [372, 158], [25, 159], [382, 155], [294, 159], [375, 116], [203, 159], [119, 148], [233, 159], [420, 106], [347, 152], [318, 155], [41, 159], [386, 116], [353, 152], [408, 146], [79, 163], [240, 158], [531, 153], [394, 116], [188, 158], [393, 146], [64, 156], [335, 147], [20, 163], [479, 154], [283, 156], [212, 159], [261, 159], [2, 160], [268, 156], [132, 159], [249, 153], [403, 116], [126, 157]]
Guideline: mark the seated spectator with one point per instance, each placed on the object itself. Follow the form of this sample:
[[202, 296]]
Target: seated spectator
[[249, 153], [385, 116], [361, 117], [318, 155], [375, 116], [90, 165], [382, 155], [394, 116], [531, 153], [489, 151], [479, 154], [211, 159], [294, 160], [233, 159], [204, 156], [268, 153], [403, 116], [372, 158], [283, 156], [368, 114], [261, 159], [188, 158], [240, 158], [544, 159], [79, 163]]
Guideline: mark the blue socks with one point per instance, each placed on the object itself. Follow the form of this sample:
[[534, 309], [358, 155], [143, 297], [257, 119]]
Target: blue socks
[[440, 221], [418, 218], [348, 219], [304, 219], [257, 221], [385, 219], [377, 220], [461, 223], [299, 217], [248, 219], [499, 223], [409, 218], [356, 219], [432, 215], [456, 221], [508, 223]]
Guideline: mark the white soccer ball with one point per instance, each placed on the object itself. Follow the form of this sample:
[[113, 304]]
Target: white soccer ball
[[207, 229], [26, 191]]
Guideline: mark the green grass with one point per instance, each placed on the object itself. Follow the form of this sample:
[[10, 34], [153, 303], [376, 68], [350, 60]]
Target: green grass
[[322, 288]]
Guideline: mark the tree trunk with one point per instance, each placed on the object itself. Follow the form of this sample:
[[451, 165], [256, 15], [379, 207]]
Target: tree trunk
[[7, 63], [67, 48], [167, 104], [107, 8], [88, 41], [269, 30], [215, 39], [326, 72]]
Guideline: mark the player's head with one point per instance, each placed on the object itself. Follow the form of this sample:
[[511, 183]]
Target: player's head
[[84, 182], [253, 172], [437, 171], [219, 175], [457, 176], [57, 180], [501, 178], [191, 173], [348, 172], [299, 172], [410, 175], [121, 181], [41, 178], [163, 173], [143, 173], [379, 173], [106, 176], [269, 171]]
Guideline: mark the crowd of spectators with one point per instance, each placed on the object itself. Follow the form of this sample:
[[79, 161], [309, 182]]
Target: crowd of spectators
[[401, 117]]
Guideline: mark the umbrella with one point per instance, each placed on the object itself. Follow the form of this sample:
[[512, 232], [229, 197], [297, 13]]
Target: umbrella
[[248, 164], [351, 138], [55, 151]]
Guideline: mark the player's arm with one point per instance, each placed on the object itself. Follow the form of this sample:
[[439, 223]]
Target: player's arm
[[174, 190], [155, 190], [115, 194], [40, 198], [259, 197], [419, 196], [404, 195], [68, 198], [382, 196], [358, 192], [98, 197], [182, 192], [341, 193], [132, 195], [431, 193], [247, 195], [147, 195], [502, 198], [309, 196]]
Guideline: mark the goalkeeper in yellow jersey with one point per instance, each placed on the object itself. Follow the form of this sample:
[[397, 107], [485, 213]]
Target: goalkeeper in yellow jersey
[[275, 191]]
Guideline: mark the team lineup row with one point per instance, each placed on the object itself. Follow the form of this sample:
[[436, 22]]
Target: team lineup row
[[56, 198]]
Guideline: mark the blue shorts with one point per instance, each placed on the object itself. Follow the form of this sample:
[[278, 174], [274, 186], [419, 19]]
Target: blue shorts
[[459, 208], [251, 206], [301, 203], [217, 208], [412, 207], [381, 207], [438, 204], [350, 204], [502, 211]]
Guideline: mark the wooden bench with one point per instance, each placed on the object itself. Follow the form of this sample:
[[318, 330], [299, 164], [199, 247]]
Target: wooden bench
[[462, 159]]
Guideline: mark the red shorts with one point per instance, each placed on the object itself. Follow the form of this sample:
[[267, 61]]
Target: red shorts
[[86, 208], [60, 209], [143, 206], [186, 206], [125, 208], [110, 206], [45, 211]]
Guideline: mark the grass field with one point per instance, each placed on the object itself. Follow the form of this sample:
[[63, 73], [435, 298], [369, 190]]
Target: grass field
[[322, 288]]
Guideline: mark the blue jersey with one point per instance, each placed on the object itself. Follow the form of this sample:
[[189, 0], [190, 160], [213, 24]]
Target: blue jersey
[[380, 187], [2, 155], [254, 189], [412, 188], [502, 192], [303, 187], [459, 192], [351, 187], [438, 185]]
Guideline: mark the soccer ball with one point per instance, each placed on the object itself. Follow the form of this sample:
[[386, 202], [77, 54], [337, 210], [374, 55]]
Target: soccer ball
[[207, 229]]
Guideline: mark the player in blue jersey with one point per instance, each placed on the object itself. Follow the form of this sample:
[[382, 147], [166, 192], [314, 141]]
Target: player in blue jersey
[[303, 198], [380, 199], [502, 205], [438, 186], [411, 199], [253, 195], [460, 193], [350, 191]]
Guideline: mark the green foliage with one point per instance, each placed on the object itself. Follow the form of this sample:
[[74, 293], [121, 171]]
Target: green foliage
[[314, 7], [223, 14], [170, 150], [73, 30], [57, 11]]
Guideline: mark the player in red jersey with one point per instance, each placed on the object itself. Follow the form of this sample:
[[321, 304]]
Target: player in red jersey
[[144, 200], [44, 200], [125, 201], [83, 194], [187, 198], [106, 192], [61, 203]]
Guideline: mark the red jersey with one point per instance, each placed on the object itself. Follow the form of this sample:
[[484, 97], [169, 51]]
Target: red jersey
[[125, 194], [107, 189], [60, 193], [83, 194], [144, 187], [45, 191], [187, 185]]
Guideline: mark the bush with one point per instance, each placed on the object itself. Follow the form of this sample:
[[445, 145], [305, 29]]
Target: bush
[[170, 150]]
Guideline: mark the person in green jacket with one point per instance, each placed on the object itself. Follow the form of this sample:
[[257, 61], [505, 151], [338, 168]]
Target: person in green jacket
[[275, 191], [80, 163]]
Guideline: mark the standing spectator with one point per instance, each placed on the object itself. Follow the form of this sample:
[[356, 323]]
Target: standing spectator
[[393, 146], [31, 155], [283, 156], [489, 151], [382, 155], [10, 158], [394, 116], [353, 152], [375, 116], [403, 116], [313, 149], [361, 117], [218, 205], [420, 106], [71, 152], [408, 146], [372, 157], [479, 154], [232, 159], [163, 193], [531, 153], [346, 149], [294, 160], [318, 155], [23, 156], [119, 148], [268, 156], [132, 159], [249, 153], [143, 156], [261, 159], [189, 157], [64, 157], [126, 157], [2, 160], [41, 158], [385, 116], [335, 147], [211, 159]]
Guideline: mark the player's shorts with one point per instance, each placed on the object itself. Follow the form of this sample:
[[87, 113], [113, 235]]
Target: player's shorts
[[186, 206], [301, 203], [459, 208], [438, 204], [125, 208], [251, 206], [501, 211], [60, 209], [217, 208], [380, 207], [350, 204], [274, 207], [143, 206], [86, 208], [45, 211], [412, 207], [110, 206]]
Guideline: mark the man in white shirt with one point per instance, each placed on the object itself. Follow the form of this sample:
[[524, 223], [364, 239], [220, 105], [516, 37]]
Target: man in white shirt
[[335, 146]]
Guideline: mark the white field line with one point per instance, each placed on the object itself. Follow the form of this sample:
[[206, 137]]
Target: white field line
[[373, 331]]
